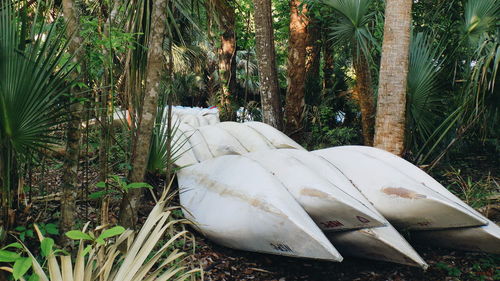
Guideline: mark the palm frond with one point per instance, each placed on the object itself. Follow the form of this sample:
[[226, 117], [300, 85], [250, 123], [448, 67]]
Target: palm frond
[[353, 29], [481, 16], [425, 100], [131, 257], [34, 77]]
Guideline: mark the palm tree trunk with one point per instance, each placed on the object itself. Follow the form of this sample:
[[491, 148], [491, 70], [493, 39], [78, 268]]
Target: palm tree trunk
[[313, 61], [69, 184], [364, 89], [140, 154], [296, 67], [227, 57], [266, 57], [391, 105], [328, 66]]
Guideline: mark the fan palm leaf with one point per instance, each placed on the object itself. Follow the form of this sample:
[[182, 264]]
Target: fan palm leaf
[[352, 29], [33, 78], [481, 16], [424, 96]]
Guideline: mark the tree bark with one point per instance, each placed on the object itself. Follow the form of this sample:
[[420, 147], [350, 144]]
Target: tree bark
[[391, 105], [313, 62], [227, 57], [69, 184], [328, 66], [266, 57], [364, 90], [296, 66], [140, 154]]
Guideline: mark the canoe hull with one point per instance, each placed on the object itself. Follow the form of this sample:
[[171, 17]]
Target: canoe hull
[[405, 201], [476, 239], [247, 214]]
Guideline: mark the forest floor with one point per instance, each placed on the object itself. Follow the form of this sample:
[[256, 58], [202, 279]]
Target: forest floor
[[475, 176]]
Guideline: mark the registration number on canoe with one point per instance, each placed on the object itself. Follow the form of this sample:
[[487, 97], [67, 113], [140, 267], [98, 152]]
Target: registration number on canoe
[[281, 247], [331, 224]]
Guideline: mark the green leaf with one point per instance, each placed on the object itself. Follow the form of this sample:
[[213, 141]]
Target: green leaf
[[21, 266], [46, 246], [101, 184], [20, 228], [86, 250], [33, 277], [52, 229], [138, 185], [77, 235], [13, 245], [30, 234], [8, 256], [117, 230], [100, 194]]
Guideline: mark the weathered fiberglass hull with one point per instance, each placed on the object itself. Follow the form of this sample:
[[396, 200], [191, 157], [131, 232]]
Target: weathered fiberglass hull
[[328, 205], [380, 243], [405, 195], [256, 214]]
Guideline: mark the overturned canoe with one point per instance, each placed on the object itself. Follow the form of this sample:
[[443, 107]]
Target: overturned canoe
[[379, 243], [248, 214], [197, 142], [329, 206], [220, 142], [249, 138], [476, 239], [407, 202], [274, 136]]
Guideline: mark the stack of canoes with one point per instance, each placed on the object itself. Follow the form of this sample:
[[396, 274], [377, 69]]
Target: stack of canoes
[[248, 186]]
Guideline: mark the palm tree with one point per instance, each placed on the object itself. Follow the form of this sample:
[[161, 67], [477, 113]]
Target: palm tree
[[33, 78], [70, 167], [353, 31], [227, 56], [266, 57], [296, 67], [391, 103], [147, 117]]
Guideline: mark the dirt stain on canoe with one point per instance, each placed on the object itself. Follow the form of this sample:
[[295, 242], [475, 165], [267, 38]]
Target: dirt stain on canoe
[[225, 190], [313, 193], [403, 193]]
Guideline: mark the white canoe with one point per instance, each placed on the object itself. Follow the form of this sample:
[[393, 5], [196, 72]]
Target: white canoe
[[181, 148], [197, 142], [477, 239], [230, 201], [220, 142], [248, 137], [330, 207], [406, 201], [379, 243], [274, 136]]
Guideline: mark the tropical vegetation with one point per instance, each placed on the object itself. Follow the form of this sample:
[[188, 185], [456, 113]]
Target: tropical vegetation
[[87, 89]]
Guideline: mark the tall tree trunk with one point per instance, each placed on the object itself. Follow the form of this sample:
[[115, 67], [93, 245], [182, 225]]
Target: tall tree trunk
[[227, 57], [70, 181], [296, 67], [107, 108], [266, 57], [391, 105], [364, 90], [313, 62], [328, 66], [140, 154]]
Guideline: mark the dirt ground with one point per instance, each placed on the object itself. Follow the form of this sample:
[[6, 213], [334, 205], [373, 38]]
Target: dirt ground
[[221, 263]]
